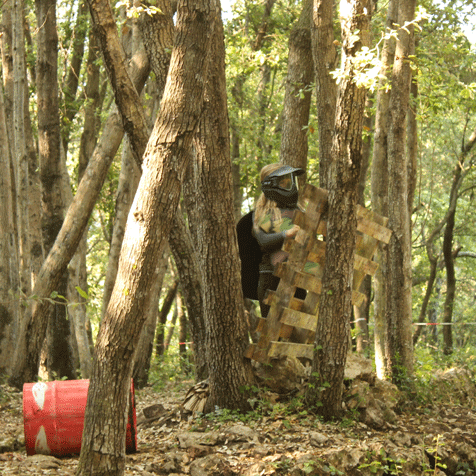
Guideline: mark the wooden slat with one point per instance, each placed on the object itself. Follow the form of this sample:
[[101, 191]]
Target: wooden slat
[[366, 225], [290, 349], [299, 319], [365, 265]]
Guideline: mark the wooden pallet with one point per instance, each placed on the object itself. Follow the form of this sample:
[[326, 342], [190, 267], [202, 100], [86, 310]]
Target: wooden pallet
[[290, 327]]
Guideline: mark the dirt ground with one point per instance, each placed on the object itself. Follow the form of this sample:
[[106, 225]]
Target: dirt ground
[[436, 437]]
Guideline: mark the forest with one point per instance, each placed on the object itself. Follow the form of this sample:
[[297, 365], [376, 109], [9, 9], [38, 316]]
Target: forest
[[132, 139]]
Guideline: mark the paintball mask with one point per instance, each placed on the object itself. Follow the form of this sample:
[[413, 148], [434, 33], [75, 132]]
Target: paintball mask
[[281, 186]]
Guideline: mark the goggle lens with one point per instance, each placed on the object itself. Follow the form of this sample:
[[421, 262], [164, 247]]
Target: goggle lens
[[286, 182]]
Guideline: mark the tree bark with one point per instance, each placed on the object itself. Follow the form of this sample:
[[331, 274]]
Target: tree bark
[[148, 226], [325, 61], [399, 344], [298, 93], [335, 304]]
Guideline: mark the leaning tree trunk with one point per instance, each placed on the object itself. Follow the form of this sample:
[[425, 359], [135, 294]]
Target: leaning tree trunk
[[335, 304], [148, 227], [399, 343]]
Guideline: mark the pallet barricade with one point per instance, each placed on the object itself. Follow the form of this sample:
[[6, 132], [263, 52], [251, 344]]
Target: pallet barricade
[[290, 326]]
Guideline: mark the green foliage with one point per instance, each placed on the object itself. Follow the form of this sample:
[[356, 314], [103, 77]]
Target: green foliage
[[382, 463], [171, 370], [256, 80]]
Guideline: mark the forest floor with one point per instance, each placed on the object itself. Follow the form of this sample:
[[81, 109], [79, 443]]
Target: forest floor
[[432, 434]]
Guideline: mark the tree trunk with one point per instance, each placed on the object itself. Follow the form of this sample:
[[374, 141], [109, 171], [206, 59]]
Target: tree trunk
[[429, 289], [325, 61], [148, 226], [166, 306], [379, 189], [335, 304], [191, 286], [9, 306], [217, 246], [459, 173], [182, 332], [143, 354], [399, 344], [361, 313], [70, 87], [60, 360], [7, 48], [171, 330], [297, 98], [126, 189], [19, 146]]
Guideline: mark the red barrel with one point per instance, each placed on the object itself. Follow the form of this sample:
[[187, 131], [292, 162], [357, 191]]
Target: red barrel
[[53, 417]]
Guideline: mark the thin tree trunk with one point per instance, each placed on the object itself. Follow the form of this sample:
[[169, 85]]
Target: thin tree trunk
[[128, 182], [70, 88], [171, 330], [9, 307], [77, 269], [190, 285], [164, 312], [60, 360], [19, 146], [399, 344], [460, 171], [143, 355], [298, 93], [429, 289], [325, 61], [361, 313], [379, 188], [132, 114], [182, 331]]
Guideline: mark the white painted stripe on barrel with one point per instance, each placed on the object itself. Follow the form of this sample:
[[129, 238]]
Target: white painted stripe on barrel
[[38, 390], [41, 443]]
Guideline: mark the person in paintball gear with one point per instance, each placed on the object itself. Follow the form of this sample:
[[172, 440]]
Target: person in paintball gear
[[273, 222]]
